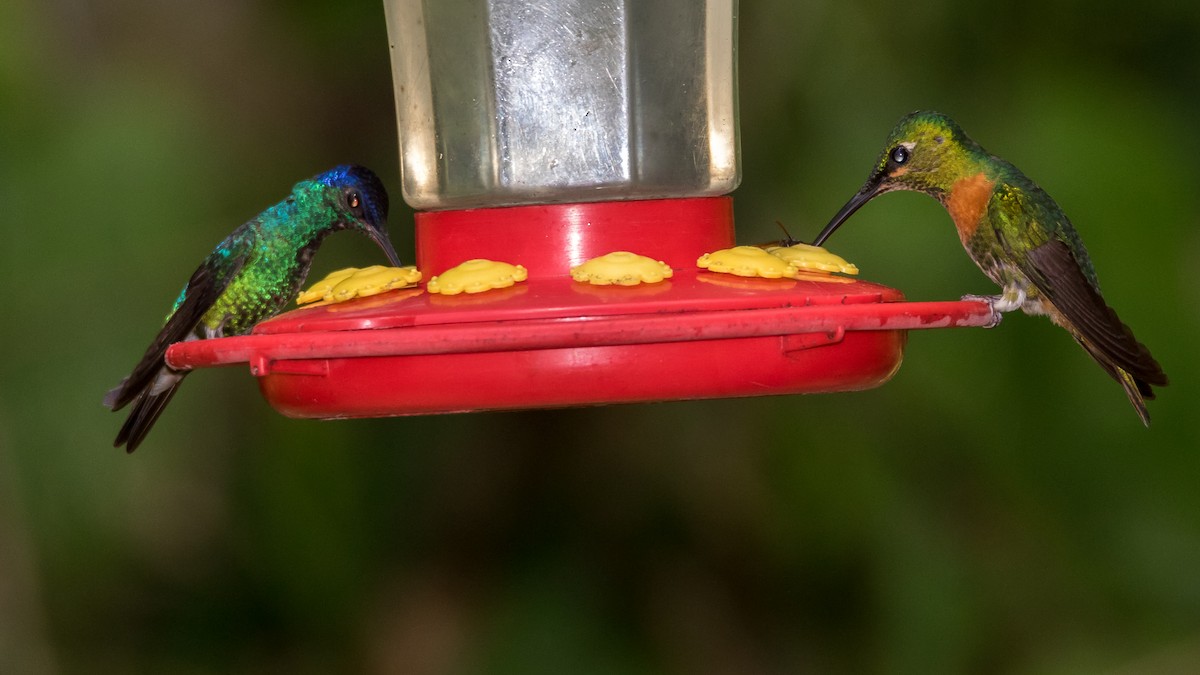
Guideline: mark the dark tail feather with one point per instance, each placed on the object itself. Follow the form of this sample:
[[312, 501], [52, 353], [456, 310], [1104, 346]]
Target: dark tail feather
[[112, 400], [1136, 389], [140, 380], [145, 413]]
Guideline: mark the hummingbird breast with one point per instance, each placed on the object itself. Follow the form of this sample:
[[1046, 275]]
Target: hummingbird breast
[[967, 203]]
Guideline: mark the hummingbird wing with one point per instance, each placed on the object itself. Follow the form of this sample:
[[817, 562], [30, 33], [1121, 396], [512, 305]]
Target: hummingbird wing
[[207, 284], [1060, 277], [1041, 243]]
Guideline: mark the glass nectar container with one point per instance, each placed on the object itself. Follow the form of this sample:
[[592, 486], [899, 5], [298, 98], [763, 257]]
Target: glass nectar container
[[506, 102]]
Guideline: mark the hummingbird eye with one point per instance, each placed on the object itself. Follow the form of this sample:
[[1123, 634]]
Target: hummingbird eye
[[353, 200], [900, 155]]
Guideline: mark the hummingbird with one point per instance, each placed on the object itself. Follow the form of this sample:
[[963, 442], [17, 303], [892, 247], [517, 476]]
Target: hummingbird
[[251, 276], [1017, 235]]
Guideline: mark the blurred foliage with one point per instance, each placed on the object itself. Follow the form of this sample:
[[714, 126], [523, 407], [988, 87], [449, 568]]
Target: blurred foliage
[[996, 508]]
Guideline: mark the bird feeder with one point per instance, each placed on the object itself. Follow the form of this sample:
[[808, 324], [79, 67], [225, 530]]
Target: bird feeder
[[544, 135]]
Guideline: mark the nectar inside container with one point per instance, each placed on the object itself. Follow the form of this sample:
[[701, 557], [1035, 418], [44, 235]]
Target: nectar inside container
[[507, 102]]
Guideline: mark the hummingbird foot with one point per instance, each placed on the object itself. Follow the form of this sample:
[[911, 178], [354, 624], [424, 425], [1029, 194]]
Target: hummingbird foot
[[218, 331], [1011, 299]]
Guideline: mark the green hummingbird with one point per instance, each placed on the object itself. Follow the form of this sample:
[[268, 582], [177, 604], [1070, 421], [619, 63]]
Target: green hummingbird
[[1017, 235], [251, 276]]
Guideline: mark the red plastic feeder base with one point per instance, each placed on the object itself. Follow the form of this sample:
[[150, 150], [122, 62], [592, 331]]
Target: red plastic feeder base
[[553, 342]]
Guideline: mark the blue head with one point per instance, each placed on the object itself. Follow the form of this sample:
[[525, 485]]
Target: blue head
[[363, 201]]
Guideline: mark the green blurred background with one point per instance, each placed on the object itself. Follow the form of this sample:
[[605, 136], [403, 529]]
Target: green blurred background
[[996, 508]]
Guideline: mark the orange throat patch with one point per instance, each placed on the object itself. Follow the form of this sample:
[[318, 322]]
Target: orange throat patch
[[967, 202]]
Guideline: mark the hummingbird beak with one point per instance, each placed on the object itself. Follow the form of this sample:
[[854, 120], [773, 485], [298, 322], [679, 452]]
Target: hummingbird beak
[[868, 191], [379, 236]]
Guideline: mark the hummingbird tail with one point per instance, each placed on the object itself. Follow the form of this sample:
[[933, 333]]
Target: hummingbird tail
[[113, 397], [148, 406], [1138, 392], [1136, 389]]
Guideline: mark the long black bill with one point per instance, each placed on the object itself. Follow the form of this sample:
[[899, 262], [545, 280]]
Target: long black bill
[[379, 236], [864, 195]]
